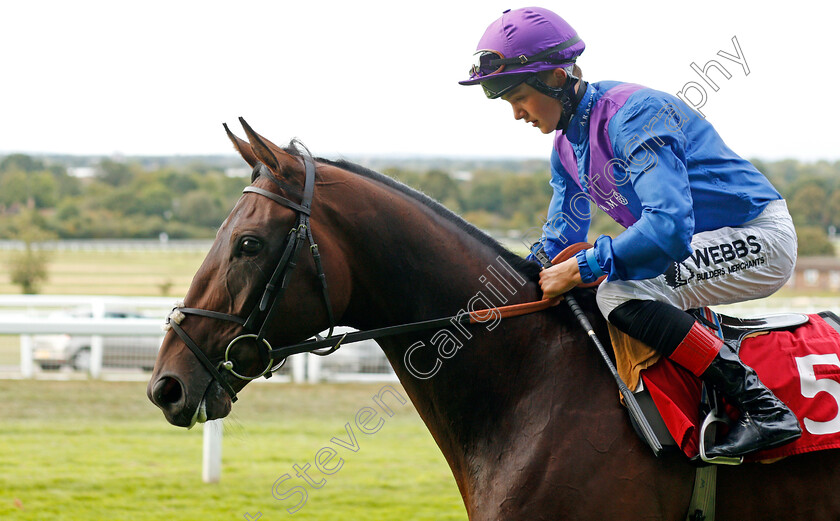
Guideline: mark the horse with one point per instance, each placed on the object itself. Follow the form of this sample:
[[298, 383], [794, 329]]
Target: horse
[[523, 409]]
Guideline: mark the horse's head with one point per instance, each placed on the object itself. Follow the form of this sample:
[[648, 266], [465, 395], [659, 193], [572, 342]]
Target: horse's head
[[262, 274]]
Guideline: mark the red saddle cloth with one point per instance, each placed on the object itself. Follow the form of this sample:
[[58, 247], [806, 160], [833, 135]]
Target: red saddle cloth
[[801, 366]]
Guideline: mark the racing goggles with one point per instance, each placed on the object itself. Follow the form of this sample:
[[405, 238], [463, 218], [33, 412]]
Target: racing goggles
[[488, 62]]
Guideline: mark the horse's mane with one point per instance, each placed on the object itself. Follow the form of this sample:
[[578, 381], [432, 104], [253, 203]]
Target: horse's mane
[[527, 268]]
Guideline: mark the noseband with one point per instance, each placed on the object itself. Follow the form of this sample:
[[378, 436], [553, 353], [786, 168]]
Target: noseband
[[272, 295]]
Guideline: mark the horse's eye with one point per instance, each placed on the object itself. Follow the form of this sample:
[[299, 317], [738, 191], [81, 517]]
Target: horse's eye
[[250, 246]]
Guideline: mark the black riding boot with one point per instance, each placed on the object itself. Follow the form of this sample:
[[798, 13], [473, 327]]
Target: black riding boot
[[765, 421]]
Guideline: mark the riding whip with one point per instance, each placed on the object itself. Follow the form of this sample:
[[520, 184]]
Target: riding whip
[[632, 405]]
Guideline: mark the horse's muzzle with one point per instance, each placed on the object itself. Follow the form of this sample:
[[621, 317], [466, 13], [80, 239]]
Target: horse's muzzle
[[167, 392], [180, 406]]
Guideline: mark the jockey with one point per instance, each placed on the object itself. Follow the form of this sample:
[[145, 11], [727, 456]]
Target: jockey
[[702, 226]]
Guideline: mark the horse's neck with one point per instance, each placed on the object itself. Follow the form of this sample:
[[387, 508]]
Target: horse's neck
[[410, 263], [474, 387]]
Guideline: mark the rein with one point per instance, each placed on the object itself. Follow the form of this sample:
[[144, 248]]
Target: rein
[[473, 317], [275, 288]]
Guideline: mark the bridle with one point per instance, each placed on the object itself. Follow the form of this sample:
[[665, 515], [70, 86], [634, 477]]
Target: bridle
[[275, 288]]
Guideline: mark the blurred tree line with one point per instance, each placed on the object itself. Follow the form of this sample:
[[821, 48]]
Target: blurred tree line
[[120, 200], [812, 191], [131, 200], [504, 200]]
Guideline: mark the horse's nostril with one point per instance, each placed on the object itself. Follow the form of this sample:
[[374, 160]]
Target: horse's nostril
[[168, 391]]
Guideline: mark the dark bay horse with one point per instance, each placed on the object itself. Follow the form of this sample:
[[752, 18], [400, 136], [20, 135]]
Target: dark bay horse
[[523, 409]]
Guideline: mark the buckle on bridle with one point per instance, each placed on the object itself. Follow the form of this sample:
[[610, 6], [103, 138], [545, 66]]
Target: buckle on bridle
[[333, 349]]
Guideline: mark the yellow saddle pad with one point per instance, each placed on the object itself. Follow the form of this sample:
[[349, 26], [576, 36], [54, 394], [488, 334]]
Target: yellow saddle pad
[[631, 357]]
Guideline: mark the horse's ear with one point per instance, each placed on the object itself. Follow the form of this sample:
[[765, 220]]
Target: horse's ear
[[267, 152], [242, 147]]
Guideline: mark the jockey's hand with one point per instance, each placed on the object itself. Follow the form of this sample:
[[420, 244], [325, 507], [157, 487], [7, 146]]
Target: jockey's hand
[[560, 278]]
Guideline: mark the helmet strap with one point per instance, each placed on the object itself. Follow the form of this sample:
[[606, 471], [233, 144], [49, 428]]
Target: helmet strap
[[566, 95]]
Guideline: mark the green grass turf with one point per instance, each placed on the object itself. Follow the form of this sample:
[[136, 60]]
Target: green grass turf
[[129, 273], [90, 450]]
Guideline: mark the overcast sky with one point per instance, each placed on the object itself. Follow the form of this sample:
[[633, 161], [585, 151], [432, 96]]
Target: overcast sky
[[380, 78]]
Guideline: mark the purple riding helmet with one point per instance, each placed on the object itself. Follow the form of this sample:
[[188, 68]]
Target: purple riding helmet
[[520, 44]]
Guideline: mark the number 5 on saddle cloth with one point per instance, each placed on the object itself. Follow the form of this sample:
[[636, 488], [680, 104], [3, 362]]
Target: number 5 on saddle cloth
[[796, 356]]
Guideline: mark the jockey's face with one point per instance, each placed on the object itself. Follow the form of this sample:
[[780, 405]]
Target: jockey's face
[[534, 107]]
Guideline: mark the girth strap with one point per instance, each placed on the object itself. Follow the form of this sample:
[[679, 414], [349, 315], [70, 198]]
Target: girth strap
[[702, 506]]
